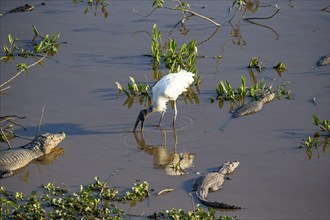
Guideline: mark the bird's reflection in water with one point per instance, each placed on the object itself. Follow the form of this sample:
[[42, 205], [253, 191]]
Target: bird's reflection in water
[[172, 162]]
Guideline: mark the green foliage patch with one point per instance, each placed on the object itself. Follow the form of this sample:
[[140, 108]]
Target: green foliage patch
[[96, 200]]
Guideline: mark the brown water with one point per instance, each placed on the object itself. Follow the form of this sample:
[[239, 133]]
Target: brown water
[[77, 88]]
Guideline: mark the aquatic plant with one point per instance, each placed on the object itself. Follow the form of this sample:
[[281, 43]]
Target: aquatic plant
[[96, 200], [280, 68], [198, 213], [173, 57], [256, 63], [320, 138], [135, 92], [96, 4], [226, 92], [324, 125], [38, 46]]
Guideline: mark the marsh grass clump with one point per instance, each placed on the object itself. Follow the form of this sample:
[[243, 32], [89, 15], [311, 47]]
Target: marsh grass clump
[[320, 138]]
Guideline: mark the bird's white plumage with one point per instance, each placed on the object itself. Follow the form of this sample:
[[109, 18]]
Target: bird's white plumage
[[169, 88]]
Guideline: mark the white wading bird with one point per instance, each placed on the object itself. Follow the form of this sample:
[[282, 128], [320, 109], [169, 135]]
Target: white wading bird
[[167, 88]]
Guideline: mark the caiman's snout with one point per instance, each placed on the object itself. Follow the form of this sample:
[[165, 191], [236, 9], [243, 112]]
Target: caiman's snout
[[140, 118]]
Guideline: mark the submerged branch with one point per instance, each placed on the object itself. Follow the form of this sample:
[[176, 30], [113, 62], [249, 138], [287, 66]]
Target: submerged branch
[[180, 9], [265, 26], [254, 18], [18, 73]]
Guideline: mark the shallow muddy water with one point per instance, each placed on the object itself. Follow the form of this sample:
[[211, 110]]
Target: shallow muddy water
[[275, 180]]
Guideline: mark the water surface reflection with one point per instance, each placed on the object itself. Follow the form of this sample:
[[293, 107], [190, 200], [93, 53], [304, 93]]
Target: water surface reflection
[[173, 163]]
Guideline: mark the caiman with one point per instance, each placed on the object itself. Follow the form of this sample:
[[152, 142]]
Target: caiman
[[253, 107], [213, 181], [325, 60], [23, 8], [11, 160]]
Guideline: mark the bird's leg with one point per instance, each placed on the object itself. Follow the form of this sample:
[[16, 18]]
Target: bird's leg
[[161, 117], [175, 113]]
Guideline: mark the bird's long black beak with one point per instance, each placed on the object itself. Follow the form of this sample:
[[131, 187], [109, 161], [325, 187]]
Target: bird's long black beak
[[139, 119]]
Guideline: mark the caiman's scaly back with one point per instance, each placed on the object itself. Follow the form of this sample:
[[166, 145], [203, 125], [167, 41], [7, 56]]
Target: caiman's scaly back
[[13, 159]]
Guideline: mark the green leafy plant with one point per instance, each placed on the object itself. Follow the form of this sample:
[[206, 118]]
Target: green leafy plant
[[237, 96], [139, 190], [96, 200], [256, 63], [156, 45], [184, 58], [280, 67], [320, 138], [197, 213], [135, 92], [324, 125], [174, 58], [226, 92], [134, 89], [38, 46]]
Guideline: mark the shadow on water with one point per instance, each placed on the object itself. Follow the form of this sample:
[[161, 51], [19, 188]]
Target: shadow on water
[[173, 163], [76, 129]]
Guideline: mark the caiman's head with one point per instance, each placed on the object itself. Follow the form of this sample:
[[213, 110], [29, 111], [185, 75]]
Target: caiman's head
[[47, 141], [228, 167], [268, 97]]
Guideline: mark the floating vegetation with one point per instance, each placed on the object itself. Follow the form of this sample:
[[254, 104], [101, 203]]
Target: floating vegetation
[[198, 213], [280, 68], [96, 200], [320, 138], [256, 63]]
